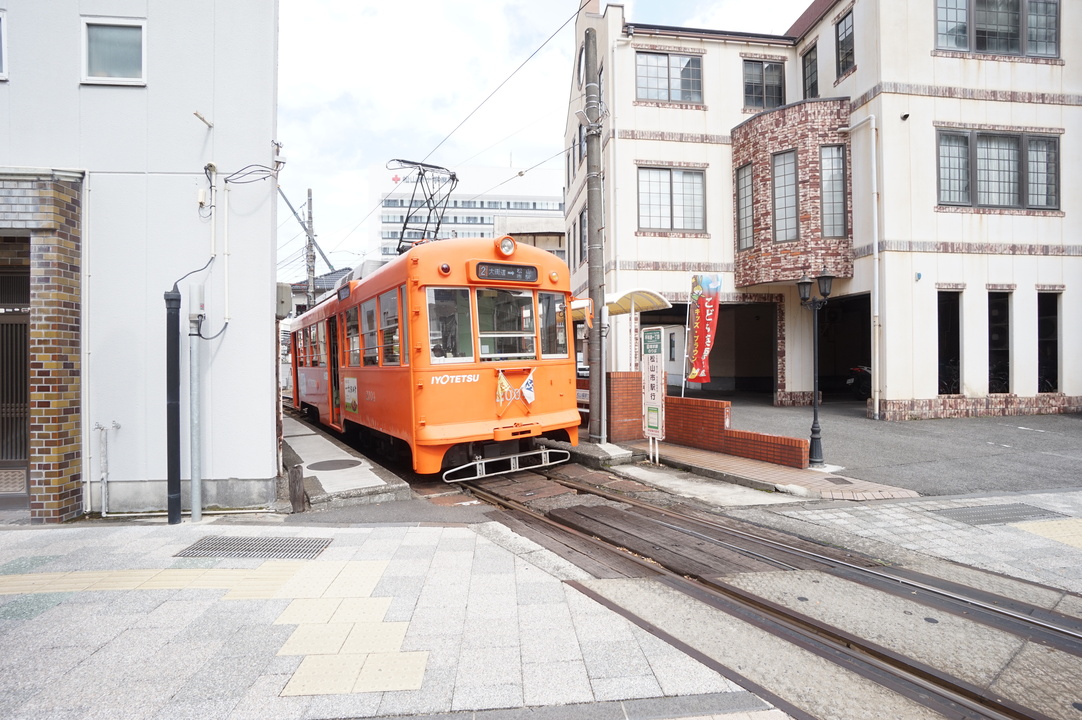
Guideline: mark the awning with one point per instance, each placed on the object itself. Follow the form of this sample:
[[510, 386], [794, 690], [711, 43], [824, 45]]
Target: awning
[[618, 303]]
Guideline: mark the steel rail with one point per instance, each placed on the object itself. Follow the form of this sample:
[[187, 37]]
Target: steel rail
[[835, 641], [906, 582]]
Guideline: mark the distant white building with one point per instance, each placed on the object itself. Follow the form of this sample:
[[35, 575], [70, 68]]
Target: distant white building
[[482, 198], [137, 152], [921, 152]]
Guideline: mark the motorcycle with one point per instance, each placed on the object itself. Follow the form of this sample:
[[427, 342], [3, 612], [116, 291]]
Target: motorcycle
[[859, 381]]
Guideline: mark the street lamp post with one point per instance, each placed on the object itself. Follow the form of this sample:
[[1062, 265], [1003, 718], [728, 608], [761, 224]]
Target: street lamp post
[[804, 287]]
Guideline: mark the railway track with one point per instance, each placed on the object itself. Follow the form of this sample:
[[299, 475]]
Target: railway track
[[719, 563]]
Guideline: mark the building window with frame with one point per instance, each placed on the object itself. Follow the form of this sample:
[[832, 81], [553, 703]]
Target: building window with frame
[[999, 27], [743, 207], [833, 191], [809, 66], [785, 196], [844, 46], [114, 51], [764, 84], [671, 199], [991, 169], [668, 78]]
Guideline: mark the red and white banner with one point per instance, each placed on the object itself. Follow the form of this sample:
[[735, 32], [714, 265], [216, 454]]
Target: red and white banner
[[704, 322]]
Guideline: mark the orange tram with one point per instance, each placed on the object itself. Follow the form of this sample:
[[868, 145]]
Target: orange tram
[[457, 351]]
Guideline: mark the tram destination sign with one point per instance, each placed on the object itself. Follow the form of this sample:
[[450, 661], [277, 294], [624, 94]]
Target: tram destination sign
[[505, 272]]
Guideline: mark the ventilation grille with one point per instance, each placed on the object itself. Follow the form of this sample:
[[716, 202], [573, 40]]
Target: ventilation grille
[[262, 548], [998, 514]]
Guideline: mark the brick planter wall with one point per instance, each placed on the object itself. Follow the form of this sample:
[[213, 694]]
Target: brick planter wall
[[705, 424]]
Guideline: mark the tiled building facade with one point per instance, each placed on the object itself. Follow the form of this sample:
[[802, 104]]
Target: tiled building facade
[[917, 151]]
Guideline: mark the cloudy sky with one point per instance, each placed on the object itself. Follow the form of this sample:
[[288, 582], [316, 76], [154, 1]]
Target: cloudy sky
[[363, 81]]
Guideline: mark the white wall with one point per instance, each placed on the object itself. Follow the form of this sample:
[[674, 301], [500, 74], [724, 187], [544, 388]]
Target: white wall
[[144, 151]]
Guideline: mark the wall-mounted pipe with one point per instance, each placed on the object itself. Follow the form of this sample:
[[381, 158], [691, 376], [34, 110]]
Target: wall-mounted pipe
[[172, 403]]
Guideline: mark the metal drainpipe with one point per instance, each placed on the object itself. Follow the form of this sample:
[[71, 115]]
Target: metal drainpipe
[[195, 314]]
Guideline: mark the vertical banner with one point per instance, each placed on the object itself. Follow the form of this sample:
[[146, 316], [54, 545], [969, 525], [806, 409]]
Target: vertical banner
[[704, 323], [653, 385]]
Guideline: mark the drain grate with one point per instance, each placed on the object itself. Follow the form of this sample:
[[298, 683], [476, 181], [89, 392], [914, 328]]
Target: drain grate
[[334, 464], [838, 481], [998, 514], [251, 547]]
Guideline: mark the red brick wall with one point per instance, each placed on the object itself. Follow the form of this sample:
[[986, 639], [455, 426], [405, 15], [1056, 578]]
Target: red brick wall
[[705, 424], [803, 127], [625, 406]]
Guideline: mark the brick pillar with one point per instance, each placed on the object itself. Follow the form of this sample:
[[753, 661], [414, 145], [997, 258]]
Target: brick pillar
[[55, 224], [625, 406]]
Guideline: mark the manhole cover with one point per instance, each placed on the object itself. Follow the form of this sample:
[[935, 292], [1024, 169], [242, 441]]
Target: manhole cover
[[334, 464], [839, 481], [251, 547], [998, 514]]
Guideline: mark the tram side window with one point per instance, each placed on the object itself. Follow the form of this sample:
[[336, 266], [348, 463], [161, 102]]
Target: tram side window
[[299, 349], [553, 324], [321, 344], [353, 338], [505, 321], [313, 359], [450, 331], [404, 325], [368, 320], [388, 326]]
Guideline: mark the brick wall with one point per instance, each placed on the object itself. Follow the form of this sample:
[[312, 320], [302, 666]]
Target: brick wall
[[625, 406], [705, 424], [995, 405], [801, 126], [48, 209]]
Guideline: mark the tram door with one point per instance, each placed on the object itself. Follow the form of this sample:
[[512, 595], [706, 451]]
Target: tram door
[[333, 362], [14, 390]]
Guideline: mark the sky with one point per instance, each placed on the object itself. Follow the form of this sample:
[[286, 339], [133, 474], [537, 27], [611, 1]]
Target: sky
[[362, 82]]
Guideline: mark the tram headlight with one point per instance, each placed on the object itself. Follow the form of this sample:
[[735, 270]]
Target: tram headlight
[[554, 276], [445, 269], [506, 246]]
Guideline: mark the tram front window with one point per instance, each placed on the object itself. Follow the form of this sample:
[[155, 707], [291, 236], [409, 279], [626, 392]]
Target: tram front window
[[505, 319], [450, 334]]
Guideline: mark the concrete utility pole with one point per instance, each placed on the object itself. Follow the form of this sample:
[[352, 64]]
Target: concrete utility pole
[[595, 256], [310, 255]]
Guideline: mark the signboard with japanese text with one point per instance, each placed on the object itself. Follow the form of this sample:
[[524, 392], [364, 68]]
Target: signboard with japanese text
[[653, 384]]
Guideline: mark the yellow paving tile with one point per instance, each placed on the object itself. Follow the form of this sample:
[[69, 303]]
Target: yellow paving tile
[[325, 675], [376, 637], [172, 579], [386, 672], [1067, 531], [309, 610], [321, 639], [362, 610]]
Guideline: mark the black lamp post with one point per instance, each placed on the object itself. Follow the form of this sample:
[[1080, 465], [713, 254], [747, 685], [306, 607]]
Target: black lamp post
[[804, 287]]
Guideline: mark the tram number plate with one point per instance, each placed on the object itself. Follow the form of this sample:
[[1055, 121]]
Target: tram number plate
[[506, 272]]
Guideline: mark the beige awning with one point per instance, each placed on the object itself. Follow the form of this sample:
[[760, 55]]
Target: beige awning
[[639, 300]]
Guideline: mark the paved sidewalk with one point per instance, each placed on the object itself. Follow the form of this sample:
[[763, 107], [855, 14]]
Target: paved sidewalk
[[770, 477]]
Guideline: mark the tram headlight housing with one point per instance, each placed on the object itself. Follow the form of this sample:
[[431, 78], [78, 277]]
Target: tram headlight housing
[[506, 246]]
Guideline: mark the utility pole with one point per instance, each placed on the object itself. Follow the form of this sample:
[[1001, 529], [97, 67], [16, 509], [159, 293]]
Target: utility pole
[[595, 256], [310, 255]]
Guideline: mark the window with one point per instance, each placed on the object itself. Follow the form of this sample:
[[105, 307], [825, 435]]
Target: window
[[353, 338], [584, 237], [764, 84], [450, 331], [1047, 342], [785, 197], [388, 327], [998, 170], [809, 65], [743, 208], [3, 46], [582, 142], [114, 51], [999, 348], [1001, 27], [404, 326], [844, 46], [550, 311], [832, 180], [668, 78], [671, 199], [320, 344], [368, 329], [505, 323]]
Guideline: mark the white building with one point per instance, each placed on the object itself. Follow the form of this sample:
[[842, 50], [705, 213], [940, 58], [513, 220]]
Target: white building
[[137, 146], [483, 198], [913, 149]]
